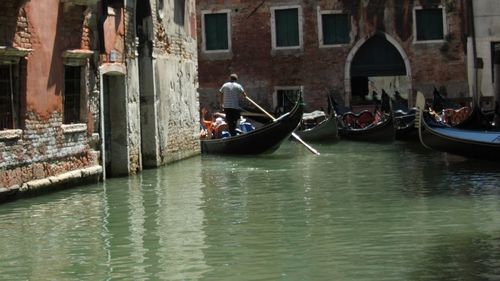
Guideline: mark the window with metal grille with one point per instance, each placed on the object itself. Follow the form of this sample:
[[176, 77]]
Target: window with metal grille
[[216, 32], [286, 99], [287, 27], [72, 94], [429, 24], [335, 28], [7, 98]]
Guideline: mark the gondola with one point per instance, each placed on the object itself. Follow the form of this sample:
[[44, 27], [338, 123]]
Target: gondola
[[404, 119], [469, 143], [324, 131], [462, 117], [265, 139], [373, 129], [404, 125]]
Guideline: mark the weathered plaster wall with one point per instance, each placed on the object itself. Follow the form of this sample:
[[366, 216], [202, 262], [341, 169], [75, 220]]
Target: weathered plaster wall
[[321, 70], [487, 31], [43, 147], [177, 82], [114, 35]]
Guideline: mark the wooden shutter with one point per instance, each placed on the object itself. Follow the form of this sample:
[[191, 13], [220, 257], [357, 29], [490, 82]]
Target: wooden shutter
[[335, 29], [429, 24], [216, 31], [287, 27]]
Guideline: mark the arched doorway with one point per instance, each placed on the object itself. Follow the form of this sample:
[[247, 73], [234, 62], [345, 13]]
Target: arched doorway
[[377, 62], [148, 97]]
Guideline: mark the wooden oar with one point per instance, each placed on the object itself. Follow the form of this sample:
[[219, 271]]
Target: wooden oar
[[274, 119]]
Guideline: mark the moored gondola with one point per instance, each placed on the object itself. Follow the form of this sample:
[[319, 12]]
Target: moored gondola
[[365, 126], [469, 143], [404, 119], [325, 130], [265, 139]]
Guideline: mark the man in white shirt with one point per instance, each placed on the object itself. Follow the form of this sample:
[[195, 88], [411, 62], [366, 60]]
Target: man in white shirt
[[230, 94]]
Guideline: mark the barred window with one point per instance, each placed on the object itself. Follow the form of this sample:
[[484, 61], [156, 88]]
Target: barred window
[[8, 98], [72, 94], [285, 99]]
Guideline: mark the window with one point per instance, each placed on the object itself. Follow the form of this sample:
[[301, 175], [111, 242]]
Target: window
[[334, 28], [72, 94], [216, 31], [179, 10], [9, 98], [429, 24], [494, 45], [287, 27], [285, 98]]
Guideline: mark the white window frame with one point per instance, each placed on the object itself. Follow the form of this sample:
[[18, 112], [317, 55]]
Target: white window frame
[[320, 14], [204, 39], [445, 25], [278, 88], [273, 27]]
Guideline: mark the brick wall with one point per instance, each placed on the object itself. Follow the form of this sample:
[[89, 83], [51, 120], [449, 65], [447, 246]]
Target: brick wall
[[43, 146], [320, 70]]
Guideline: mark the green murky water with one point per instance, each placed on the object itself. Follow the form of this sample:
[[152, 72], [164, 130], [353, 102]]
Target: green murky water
[[357, 212]]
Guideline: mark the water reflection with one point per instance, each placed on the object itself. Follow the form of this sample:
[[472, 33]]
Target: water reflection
[[180, 222], [357, 212], [463, 257], [163, 237], [53, 238]]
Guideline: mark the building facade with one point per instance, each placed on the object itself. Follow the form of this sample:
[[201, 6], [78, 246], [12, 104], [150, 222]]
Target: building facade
[[344, 48], [90, 89], [148, 67], [481, 45]]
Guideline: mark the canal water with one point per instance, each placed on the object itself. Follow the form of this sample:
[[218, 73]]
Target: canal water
[[356, 212]]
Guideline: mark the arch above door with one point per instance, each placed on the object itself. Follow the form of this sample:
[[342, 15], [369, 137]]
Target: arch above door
[[377, 54]]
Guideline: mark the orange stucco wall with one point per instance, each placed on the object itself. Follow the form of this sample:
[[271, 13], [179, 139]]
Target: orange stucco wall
[[114, 33], [53, 29], [44, 68]]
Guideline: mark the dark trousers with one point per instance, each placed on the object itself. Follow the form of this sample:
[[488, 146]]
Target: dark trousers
[[232, 116]]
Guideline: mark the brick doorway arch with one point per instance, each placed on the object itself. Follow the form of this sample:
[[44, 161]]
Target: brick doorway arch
[[348, 71]]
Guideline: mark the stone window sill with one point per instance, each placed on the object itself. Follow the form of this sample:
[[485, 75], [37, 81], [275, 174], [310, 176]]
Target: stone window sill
[[8, 135], [74, 128]]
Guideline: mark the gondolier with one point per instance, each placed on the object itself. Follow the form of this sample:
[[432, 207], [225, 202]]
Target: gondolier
[[230, 94]]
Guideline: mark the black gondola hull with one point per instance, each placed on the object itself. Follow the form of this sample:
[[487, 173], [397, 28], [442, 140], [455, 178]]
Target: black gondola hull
[[405, 128], [381, 132], [263, 140], [467, 143]]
